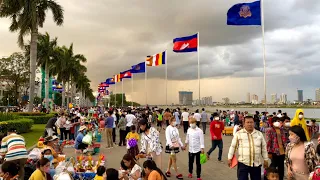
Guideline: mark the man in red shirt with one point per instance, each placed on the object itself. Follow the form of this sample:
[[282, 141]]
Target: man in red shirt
[[216, 128]]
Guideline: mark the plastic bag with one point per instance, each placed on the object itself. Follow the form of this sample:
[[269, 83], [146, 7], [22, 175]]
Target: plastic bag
[[87, 139], [35, 154], [62, 166], [203, 158]]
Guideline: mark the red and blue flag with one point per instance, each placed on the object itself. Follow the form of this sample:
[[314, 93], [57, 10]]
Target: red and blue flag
[[185, 44]]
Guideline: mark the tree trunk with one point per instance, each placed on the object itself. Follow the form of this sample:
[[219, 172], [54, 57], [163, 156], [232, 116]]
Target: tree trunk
[[33, 61], [47, 81], [71, 90], [68, 100], [63, 94]]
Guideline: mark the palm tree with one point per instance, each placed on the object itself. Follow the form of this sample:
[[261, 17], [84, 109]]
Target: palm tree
[[27, 16]]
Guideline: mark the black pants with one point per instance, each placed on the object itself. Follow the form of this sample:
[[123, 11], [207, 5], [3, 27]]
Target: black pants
[[204, 127], [198, 123], [185, 126], [191, 161], [216, 143], [67, 134], [82, 146], [278, 162], [128, 129], [114, 135], [62, 133], [123, 134], [167, 121], [244, 171]]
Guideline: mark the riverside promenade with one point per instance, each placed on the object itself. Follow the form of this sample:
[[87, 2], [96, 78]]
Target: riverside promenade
[[211, 170]]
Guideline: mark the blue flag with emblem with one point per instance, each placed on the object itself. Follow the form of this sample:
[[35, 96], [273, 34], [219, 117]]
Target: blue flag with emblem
[[244, 14], [139, 68]]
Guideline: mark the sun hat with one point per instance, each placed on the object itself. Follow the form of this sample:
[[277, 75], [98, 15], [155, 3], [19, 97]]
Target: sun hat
[[48, 139], [82, 128]]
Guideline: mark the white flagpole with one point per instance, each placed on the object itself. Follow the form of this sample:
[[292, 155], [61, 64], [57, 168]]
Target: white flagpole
[[122, 95], [198, 49], [115, 95], [264, 57], [166, 61], [131, 89], [145, 84]]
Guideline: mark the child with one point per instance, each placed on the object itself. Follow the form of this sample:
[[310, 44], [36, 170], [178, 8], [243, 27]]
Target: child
[[101, 173], [133, 151], [315, 175], [272, 174]]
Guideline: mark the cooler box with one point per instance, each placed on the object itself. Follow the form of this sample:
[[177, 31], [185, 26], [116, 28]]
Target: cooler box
[[228, 130]]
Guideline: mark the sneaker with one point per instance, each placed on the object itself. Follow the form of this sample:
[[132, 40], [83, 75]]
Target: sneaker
[[168, 173], [179, 176], [190, 176]]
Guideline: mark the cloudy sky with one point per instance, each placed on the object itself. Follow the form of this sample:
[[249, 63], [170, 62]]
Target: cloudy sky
[[114, 35]]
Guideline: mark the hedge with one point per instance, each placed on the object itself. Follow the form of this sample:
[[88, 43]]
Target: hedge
[[21, 125], [29, 114], [7, 117], [39, 119]]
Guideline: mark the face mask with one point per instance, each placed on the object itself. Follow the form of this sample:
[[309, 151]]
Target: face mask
[[294, 140], [276, 124], [287, 124], [174, 123], [300, 116], [216, 118], [50, 157], [193, 126]]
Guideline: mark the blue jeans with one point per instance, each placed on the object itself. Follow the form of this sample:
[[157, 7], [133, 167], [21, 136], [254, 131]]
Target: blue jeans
[[216, 143], [244, 171]]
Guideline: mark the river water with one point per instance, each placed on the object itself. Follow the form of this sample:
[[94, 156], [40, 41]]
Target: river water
[[308, 113]]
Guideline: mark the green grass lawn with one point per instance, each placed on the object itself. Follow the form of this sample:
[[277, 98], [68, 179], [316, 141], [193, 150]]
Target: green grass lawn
[[32, 137]]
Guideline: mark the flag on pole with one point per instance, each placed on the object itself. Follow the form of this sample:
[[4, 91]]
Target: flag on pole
[[110, 81], [244, 14], [125, 74], [117, 78], [139, 68], [185, 44], [157, 59], [103, 84]]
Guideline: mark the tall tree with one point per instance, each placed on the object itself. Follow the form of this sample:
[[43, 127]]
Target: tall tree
[[27, 16]]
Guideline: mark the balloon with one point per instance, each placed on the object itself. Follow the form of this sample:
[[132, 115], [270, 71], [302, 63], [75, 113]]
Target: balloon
[[132, 142]]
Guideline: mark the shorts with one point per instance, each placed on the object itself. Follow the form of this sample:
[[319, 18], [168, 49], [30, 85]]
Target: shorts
[[159, 123], [168, 150]]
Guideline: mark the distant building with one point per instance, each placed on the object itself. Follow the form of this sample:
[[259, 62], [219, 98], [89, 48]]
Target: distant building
[[317, 94], [185, 97], [206, 100], [283, 98], [255, 99], [248, 98], [300, 95], [274, 98]]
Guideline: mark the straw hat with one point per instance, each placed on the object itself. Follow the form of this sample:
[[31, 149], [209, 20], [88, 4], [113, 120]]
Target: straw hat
[[82, 128]]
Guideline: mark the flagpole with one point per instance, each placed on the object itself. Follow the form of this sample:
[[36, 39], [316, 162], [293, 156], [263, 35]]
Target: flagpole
[[145, 84], [115, 95], [199, 66], [166, 61], [264, 57], [122, 95], [132, 90]]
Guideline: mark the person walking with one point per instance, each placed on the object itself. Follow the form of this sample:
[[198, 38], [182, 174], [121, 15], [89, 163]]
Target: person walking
[[251, 147], [51, 125], [13, 149], [204, 120], [173, 145], [61, 125], [109, 127], [197, 116], [195, 140], [122, 124], [276, 144], [299, 120], [167, 116], [185, 120], [130, 118], [216, 128]]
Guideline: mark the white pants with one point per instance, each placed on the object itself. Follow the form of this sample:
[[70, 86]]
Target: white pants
[[49, 131]]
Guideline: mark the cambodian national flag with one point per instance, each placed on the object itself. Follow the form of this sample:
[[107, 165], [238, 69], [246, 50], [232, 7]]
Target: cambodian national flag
[[125, 74], [185, 44]]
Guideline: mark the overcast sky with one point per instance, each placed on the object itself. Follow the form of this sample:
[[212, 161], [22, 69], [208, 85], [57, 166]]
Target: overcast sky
[[114, 35]]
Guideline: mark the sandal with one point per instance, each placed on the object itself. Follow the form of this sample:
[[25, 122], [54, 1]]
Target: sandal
[[168, 173]]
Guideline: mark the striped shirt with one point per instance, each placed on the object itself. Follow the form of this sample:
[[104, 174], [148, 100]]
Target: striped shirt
[[14, 147], [251, 146]]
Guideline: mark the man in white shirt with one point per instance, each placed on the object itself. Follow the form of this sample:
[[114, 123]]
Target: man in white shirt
[[114, 126], [197, 116], [195, 140], [130, 118], [185, 119], [251, 146]]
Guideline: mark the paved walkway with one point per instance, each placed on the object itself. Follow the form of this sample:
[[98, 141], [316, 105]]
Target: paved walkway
[[212, 170]]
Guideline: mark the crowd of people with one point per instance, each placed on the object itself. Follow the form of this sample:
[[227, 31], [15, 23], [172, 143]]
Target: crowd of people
[[257, 140]]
